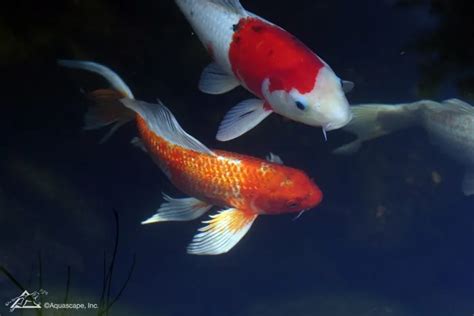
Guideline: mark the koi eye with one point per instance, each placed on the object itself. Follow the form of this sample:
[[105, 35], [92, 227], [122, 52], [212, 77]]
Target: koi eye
[[300, 105]]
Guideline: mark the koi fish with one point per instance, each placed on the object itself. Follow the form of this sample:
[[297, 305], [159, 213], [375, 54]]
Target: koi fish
[[285, 75], [243, 187], [449, 124]]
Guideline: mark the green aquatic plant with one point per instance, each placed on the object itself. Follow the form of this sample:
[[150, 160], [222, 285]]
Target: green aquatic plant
[[107, 298]]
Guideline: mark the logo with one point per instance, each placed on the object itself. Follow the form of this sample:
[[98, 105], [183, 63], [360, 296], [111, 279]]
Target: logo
[[26, 300]]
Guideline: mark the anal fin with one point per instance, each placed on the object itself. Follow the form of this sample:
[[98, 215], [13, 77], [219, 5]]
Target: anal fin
[[184, 209], [215, 81], [223, 232]]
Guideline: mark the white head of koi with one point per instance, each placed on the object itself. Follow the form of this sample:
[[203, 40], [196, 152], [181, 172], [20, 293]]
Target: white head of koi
[[325, 105]]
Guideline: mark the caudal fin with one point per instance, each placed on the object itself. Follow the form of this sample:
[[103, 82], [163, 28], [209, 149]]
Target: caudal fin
[[106, 109], [374, 120]]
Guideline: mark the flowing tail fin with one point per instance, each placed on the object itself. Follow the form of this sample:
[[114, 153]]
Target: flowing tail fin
[[374, 120], [107, 108]]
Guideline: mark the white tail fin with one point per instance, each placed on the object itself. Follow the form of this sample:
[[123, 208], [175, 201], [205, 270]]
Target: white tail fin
[[108, 74]]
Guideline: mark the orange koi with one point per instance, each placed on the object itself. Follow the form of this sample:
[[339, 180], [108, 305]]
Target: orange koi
[[243, 187]]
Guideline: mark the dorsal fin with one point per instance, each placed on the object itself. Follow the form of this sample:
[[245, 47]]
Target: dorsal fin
[[232, 5], [161, 121]]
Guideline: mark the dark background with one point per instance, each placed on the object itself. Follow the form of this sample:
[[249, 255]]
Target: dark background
[[387, 239]]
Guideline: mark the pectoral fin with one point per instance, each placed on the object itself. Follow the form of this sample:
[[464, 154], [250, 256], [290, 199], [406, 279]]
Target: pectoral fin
[[242, 118], [468, 182], [224, 231], [347, 86], [214, 80]]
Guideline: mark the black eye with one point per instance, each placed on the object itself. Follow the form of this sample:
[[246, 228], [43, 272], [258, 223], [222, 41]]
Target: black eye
[[300, 105]]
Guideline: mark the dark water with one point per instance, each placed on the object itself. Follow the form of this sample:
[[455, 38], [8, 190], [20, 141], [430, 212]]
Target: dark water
[[387, 239]]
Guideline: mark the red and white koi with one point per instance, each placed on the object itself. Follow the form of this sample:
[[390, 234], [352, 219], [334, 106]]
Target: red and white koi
[[285, 75]]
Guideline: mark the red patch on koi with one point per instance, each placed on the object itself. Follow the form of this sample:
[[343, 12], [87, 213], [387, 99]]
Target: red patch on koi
[[260, 50]]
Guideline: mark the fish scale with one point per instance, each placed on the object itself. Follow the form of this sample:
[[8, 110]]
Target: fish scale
[[453, 132], [213, 179], [226, 179], [450, 125]]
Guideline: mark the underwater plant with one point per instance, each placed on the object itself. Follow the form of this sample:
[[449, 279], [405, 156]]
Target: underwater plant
[[106, 300]]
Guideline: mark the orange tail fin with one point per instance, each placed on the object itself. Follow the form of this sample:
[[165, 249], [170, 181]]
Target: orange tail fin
[[107, 108]]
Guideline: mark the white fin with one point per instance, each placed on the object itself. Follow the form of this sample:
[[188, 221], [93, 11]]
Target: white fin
[[459, 105], [215, 81], [114, 80], [274, 158], [468, 182], [347, 86], [137, 142], [162, 122], [185, 209], [242, 118], [224, 231], [232, 5]]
